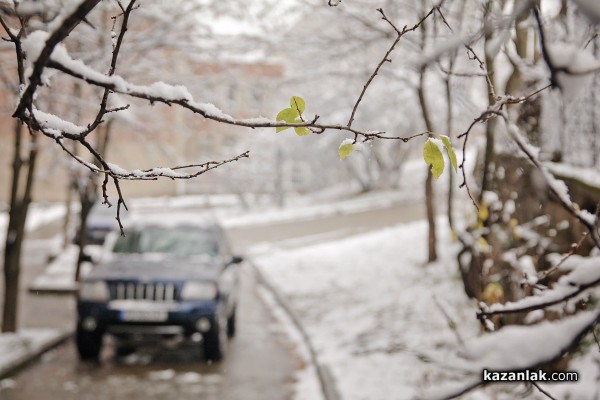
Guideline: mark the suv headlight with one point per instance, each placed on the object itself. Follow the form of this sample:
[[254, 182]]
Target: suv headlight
[[199, 291], [94, 291]]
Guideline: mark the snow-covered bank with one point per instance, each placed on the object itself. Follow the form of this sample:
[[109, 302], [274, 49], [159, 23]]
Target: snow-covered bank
[[18, 348], [382, 320], [374, 309]]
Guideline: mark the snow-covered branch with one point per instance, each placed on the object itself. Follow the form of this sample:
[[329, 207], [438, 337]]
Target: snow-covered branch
[[557, 187], [44, 52], [160, 92], [519, 348], [584, 275]]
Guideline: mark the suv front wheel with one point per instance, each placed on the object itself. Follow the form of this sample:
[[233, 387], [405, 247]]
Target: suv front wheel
[[215, 341], [88, 344]]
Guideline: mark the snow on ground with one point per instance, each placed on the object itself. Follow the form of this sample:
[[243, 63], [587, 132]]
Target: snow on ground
[[14, 348], [60, 272], [373, 311], [373, 308], [39, 214]]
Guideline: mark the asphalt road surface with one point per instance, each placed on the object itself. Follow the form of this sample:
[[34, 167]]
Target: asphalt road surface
[[260, 363]]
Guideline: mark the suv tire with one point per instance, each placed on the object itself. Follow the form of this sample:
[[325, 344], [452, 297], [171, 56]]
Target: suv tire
[[231, 325], [215, 342], [88, 344]]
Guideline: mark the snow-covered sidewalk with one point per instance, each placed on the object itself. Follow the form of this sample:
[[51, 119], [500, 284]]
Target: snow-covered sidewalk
[[16, 349], [388, 326], [374, 311]]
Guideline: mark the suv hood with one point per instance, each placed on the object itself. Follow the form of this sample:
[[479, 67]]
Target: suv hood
[[153, 267]]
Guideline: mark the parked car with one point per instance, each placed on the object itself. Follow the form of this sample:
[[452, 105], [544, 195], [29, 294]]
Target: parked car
[[172, 282], [101, 221]]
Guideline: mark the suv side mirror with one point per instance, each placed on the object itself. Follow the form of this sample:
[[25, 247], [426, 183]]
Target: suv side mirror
[[236, 259]]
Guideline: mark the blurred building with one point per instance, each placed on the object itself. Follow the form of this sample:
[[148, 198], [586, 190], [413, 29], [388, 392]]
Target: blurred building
[[158, 135]]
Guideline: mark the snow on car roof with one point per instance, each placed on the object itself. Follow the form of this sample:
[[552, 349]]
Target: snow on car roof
[[170, 219]]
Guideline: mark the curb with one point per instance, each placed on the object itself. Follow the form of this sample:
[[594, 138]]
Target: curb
[[19, 363], [326, 379], [49, 290]]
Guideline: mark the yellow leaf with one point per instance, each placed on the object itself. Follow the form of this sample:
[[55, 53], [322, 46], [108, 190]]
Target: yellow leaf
[[484, 212], [346, 147], [483, 245], [451, 154], [433, 156], [493, 293]]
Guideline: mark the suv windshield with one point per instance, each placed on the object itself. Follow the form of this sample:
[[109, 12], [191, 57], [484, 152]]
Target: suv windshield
[[179, 241]]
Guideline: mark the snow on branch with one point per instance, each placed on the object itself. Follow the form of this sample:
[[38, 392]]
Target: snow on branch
[[556, 186], [48, 51], [571, 68], [45, 49], [160, 92], [584, 275], [57, 36], [519, 348], [55, 126]]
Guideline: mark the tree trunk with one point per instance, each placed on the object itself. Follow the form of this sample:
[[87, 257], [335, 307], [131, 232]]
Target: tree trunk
[[489, 135], [429, 190], [449, 111], [86, 202], [19, 204], [88, 196], [431, 236]]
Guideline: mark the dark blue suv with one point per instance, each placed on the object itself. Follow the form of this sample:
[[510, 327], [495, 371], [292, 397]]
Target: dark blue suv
[[173, 282]]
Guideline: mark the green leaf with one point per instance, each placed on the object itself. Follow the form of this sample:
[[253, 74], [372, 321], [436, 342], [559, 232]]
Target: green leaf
[[450, 151], [302, 131], [433, 156], [297, 103], [345, 148], [288, 115]]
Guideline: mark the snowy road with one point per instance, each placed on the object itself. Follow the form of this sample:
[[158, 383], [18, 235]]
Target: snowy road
[[301, 232], [259, 365]]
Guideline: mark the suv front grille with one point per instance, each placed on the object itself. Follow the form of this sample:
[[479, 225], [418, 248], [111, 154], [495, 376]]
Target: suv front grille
[[144, 291]]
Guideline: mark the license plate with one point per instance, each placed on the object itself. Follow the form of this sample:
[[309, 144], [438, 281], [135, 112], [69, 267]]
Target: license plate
[[144, 315]]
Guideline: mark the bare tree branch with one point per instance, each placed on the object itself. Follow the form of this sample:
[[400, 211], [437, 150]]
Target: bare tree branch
[[544, 392], [386, 57]]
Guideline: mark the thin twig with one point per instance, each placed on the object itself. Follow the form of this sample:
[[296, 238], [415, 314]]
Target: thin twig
[[538, 387], [102, 111], [577, 290], [544, 47], [386, 57], [574, 248], [451, 323]]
